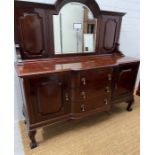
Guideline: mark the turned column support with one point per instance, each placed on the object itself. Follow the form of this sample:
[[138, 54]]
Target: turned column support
[[32, 134]]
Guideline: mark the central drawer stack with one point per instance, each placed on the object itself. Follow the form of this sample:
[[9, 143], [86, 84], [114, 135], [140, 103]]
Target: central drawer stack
[[91, 90]]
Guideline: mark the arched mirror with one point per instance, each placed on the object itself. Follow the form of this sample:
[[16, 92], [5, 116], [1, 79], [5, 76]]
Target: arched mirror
[[74, 29]]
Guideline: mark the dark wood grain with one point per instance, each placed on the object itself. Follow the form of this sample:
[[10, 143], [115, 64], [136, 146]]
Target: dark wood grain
[[47, 97], [62, 79], [138, 90], [34, 29], [33, 142], [31, 26], [48, 66], [57, 88], [125, 79], [108, 32]]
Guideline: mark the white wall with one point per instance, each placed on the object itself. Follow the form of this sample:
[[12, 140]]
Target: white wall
[[130, 35], [72, 40], [18, 102], [69, 14], [56, 27]]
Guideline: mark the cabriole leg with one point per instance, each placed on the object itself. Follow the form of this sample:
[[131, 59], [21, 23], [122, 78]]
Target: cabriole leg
[[129, 108], [25, 122], [33, 143]]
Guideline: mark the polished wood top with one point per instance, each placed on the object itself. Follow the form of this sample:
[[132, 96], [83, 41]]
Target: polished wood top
[[47, 66]]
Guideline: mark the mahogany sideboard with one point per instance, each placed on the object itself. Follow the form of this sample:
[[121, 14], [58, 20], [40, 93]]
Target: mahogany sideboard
[[58, 88]]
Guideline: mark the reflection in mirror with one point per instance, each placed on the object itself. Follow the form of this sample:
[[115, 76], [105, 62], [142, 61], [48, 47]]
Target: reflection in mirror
[[74, 30]]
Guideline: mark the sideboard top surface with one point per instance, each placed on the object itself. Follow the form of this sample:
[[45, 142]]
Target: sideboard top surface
[[48, 66]]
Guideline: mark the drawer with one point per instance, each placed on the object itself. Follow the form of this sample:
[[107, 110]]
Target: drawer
[[99, 102], [96, 78], [91, 78], [83, 94]]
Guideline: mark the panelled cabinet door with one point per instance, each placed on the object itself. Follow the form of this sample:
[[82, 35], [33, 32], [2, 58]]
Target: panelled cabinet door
[[108, 33], [34, 33], [47, 98], [31, 34], [125, 80]]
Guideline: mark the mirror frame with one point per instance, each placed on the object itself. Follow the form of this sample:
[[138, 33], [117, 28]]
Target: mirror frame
[[68, 51], [91, 4], [47, 11], [94, 8], [44, 12]]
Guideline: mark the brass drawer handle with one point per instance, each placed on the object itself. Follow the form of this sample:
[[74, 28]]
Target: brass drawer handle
[[105, 101], [83, 80], [83, 94], [83, 107], [17, 45], [67, 97], [109, 77], [107, 89]]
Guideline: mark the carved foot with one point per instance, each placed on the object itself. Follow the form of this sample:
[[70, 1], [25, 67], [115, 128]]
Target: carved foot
[[33, 143], [129, 106], [25, 122]]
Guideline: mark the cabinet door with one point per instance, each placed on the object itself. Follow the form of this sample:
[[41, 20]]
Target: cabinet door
[[33, 32], [47, 96], [108, 33], [125, 80]]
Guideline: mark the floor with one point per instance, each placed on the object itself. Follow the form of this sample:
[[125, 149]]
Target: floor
[[18, 146], [134, 131], [115, 132]]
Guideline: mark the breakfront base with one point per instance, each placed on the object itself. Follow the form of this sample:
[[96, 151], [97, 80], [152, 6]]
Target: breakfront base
[[74, 93]]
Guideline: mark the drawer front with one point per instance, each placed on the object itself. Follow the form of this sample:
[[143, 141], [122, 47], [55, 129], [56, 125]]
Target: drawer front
[[95, 78], [83, 94], [91, 90], [99, 102], [91, 78]]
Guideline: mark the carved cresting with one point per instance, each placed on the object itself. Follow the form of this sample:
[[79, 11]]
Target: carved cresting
[[31, 33]]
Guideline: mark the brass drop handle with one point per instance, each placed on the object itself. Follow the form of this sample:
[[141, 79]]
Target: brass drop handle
[[107, 89], [83, 81], [83, 94], [17, 45], [67, 97], [109, 77], [83, 107], [105, 101]]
